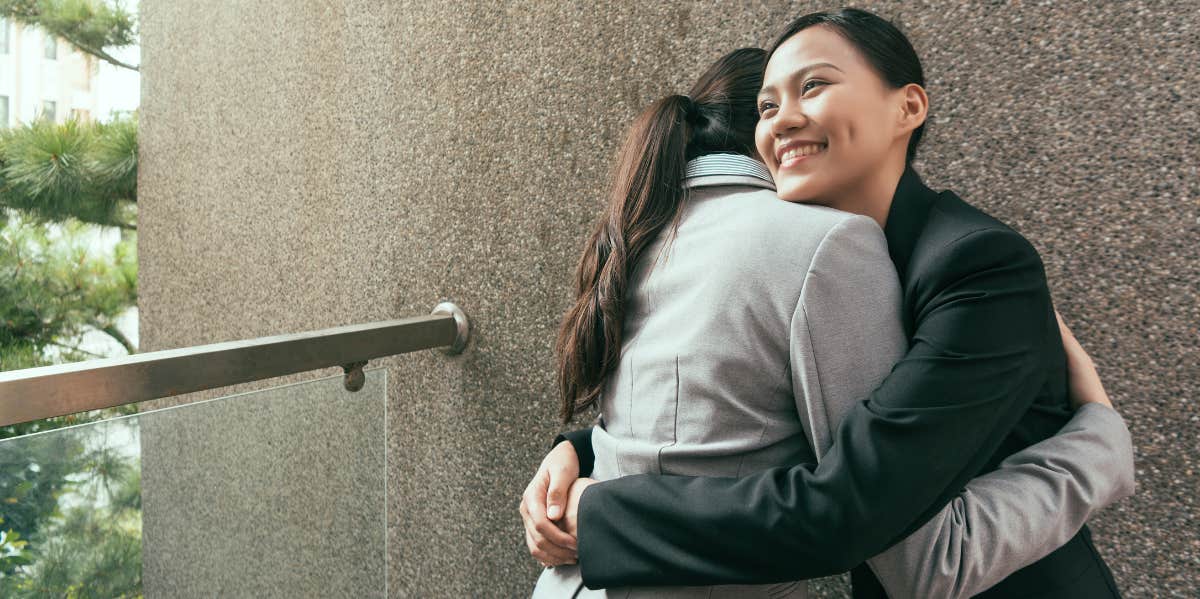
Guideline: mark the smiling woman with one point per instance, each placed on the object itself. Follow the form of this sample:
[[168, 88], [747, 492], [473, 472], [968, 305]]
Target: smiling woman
[[837, 104]]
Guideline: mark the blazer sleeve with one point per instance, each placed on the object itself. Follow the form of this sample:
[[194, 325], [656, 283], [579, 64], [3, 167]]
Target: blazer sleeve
[[1008, 519], [975, 363], [581, 440]]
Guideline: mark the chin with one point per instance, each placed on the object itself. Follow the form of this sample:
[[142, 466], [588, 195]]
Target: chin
[[799, 193]]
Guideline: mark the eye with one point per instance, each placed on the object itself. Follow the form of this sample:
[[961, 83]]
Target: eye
[[810, 85], [765, 106]]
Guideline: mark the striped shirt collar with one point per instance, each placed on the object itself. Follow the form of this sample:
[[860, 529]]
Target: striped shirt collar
[[726, 169]]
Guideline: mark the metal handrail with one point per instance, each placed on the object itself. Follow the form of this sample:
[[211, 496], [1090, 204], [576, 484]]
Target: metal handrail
[[46, 391]]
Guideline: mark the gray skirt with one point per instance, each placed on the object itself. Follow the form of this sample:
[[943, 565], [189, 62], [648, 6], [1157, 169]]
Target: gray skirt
[[566, 582]]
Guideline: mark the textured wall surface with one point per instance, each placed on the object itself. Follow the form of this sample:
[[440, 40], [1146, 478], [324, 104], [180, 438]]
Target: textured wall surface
[[278, 493], [306, 164]]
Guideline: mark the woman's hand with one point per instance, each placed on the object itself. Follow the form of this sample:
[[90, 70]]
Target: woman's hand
[[571, 522], [547, 542], [1083, 379]]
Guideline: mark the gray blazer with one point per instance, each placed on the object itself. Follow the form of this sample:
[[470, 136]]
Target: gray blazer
[[749, 334]]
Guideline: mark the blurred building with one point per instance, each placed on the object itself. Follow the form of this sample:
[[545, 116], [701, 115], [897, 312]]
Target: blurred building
[[43, 76]]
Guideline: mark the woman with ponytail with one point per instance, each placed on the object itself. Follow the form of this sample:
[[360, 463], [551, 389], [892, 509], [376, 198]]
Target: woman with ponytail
[[720, 332], [647, 198]]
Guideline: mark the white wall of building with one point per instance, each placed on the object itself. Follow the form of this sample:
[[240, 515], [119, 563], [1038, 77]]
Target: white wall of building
[[29, 78]]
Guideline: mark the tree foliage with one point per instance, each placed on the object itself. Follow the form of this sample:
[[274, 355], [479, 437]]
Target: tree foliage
[[55, 288], [85, 171], [55, 179], [92, 26], [77, 500]]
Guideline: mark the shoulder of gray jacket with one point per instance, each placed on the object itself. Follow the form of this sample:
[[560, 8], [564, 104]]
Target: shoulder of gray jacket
[[761, 228]]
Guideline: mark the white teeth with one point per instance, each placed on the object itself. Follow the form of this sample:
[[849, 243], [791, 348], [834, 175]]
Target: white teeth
[[804, 150]]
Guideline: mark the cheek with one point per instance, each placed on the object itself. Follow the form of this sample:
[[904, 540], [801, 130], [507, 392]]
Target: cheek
[[763, 143], [836, 114], [863, 127]]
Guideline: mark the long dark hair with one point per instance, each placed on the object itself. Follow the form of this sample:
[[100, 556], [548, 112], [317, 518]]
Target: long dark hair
[[647, 196], [883, 45]]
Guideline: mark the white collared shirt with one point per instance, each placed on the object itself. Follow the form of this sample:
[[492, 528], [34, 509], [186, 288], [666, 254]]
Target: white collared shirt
[[726, 169]]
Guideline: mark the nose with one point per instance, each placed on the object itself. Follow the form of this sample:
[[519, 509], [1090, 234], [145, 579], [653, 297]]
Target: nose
[[789, 118]]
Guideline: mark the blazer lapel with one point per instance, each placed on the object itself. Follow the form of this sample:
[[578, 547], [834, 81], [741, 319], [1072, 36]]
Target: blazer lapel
[[907, 218]]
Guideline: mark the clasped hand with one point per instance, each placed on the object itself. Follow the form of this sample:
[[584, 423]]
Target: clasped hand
[[550, 507]]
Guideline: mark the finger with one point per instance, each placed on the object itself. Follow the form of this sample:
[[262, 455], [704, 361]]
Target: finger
[[536, 493], [536, 510], [533, 497], [533, 500], [545, 551], [529, 544], [533, 550], [550, 530], [527, 512], [540, 543], [558, 487]]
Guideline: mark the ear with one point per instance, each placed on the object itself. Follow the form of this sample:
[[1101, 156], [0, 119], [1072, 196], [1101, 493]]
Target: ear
[[914, 107]]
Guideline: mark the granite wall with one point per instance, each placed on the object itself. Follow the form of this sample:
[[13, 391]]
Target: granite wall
[[309, 163], [276, 493]]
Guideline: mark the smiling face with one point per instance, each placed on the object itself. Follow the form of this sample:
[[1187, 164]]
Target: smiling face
[[830, 126]]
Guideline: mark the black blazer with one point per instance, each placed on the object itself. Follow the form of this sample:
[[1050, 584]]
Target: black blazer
[[984, 377]]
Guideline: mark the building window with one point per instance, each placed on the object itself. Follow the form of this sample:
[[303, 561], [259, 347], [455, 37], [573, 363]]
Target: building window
[[3, 35], [51, 47], [3, 112], [49, 110]]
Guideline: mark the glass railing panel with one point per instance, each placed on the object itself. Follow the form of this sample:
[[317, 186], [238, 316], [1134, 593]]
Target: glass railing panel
[[271, 493]]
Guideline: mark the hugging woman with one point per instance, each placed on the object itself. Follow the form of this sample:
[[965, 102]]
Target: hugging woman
[[814, 362]]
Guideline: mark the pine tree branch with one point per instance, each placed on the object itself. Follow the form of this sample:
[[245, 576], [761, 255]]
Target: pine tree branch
[[89, 28], [116, 333], [76, 349], [98, 53]]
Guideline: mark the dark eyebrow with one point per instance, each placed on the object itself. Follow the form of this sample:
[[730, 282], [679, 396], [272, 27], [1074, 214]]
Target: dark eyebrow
[[800, 73]]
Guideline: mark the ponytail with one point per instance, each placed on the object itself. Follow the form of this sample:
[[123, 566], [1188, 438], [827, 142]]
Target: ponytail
[[647, 196]]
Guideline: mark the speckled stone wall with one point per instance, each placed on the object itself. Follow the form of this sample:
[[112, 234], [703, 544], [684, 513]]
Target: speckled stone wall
[[307, 164], [273, 494]]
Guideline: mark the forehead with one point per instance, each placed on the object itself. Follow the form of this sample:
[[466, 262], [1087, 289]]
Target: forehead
[[810, 46]]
